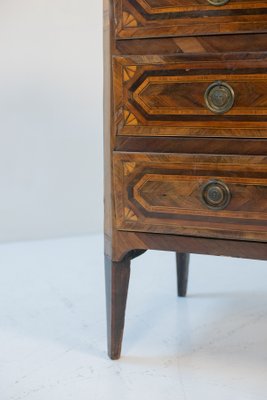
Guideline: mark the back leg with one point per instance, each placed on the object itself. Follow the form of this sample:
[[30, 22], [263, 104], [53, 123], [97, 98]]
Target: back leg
[[182, 266]]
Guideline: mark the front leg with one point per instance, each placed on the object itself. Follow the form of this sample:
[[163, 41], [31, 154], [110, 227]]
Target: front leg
[[117, 282]]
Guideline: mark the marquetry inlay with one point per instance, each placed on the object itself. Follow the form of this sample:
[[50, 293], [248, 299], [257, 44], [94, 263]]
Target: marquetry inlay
[[128, 168], [130, 118], [128, 20], [128, 72], [129, 214]]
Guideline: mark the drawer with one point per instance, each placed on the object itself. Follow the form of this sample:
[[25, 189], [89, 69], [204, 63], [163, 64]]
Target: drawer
[[199, 195], [157, 18], [207, 95]]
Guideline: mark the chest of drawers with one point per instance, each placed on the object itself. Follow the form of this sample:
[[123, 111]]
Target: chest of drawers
[[185, 136]]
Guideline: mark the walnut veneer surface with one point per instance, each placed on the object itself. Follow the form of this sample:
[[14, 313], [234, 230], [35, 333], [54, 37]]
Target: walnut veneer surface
[[185, 136]]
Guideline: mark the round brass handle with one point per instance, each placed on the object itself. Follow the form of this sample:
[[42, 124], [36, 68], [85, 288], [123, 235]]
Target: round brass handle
[[218, 2], [215, 195], [219, 97]]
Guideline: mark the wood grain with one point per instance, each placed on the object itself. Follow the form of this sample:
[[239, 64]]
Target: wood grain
[[193, 45], [200, 145], [140, 18], [163, 193], [117, 276], [166, 95], [162, 144], [124, 241]]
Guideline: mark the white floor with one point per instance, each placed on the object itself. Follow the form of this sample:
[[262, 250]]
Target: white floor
[[211, 345]]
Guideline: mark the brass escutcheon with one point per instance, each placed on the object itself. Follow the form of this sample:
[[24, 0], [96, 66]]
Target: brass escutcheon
[[215, 195], [219, 97]]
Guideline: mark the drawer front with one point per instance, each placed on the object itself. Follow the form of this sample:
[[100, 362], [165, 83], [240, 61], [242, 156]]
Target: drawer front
[[157, 18], [198, 195], [177, 96]]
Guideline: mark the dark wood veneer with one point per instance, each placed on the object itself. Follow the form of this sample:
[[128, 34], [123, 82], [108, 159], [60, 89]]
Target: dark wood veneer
[[139, 18], [191, 45], [162, 143], [165, 95], [197, 145], [163, 193]]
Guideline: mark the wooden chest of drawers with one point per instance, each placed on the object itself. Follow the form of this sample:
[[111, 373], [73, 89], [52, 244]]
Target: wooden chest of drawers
[[185, 136]]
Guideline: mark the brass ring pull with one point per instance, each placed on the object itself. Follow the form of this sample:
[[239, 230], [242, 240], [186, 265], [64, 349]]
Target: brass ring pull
[[219, 97], [218, 2], [215, 195]]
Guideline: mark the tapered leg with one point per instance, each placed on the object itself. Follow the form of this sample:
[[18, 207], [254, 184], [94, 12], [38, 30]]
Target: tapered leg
[[182, 265], [117, 281]]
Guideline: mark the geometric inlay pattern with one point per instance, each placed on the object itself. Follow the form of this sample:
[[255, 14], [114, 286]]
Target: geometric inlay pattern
[[128, 168], [129, 214], [130, 118], [128, 72], [153, 18], [128, 20]]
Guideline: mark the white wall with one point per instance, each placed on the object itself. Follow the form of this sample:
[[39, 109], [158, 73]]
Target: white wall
[[50, 118]]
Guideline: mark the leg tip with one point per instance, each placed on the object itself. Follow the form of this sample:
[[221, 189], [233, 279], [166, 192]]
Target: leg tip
[[182, 292], [114, 356]]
